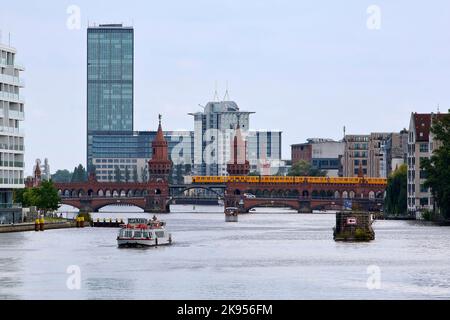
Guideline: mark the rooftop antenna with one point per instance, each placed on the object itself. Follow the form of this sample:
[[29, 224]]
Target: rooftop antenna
[[227, 95], [216, 95], [344, 132], [438, 109], [9, 39]]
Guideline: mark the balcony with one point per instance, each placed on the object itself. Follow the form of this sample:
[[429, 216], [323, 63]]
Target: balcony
[[12, 164], [13, 97], [9, 130], [17, 115], [15, 81]]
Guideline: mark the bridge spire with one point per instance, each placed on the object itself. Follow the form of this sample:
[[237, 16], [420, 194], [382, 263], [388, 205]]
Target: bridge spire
[[238, 165], [159, 166]]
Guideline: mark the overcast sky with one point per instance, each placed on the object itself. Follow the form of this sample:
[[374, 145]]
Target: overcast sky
[[307, 69]]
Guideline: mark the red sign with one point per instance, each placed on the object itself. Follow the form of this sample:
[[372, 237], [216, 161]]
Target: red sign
[[351, 221]]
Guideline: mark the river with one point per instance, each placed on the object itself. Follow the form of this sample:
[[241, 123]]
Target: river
[[271, 254]]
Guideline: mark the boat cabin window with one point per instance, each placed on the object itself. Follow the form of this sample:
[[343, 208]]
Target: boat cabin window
[[159, 234], [128, 234], [137, 234], [145, 234]]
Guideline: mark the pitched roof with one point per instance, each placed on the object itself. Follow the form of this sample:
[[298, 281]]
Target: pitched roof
[[422, 124]]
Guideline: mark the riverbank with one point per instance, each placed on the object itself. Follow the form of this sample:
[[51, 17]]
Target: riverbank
[[23, 227]]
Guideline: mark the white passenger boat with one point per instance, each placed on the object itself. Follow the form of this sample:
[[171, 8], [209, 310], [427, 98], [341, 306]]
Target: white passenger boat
[[231, 214], [143, 233]]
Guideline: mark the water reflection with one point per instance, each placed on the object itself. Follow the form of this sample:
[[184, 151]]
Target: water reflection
[[275, 254]]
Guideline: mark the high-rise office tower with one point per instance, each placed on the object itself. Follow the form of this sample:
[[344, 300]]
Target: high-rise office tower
[[110, 64]]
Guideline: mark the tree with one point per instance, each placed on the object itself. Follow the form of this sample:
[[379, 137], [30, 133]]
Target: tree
[[303, 168], [117, 174], [144, 174], [396, 192], [62, 176], [135, 174], [127, 174], [437, 168], [79, 174], [48, 198], [45, 197]]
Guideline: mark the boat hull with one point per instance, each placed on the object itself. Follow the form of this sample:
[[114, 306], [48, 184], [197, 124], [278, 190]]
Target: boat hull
[[140, 243], [231, 218]]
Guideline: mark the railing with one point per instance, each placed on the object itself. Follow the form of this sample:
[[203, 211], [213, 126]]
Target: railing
[[12, 96], [10, 206], [12, 80], [14, 164]]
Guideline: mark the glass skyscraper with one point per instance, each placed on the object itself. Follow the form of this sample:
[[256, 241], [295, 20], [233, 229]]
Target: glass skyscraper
[[110, 64]]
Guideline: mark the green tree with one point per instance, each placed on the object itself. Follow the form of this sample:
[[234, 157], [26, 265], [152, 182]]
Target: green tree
[[437, 168], [396, 192], [144, 174], [79, 174], [303, 168], [118, 174], [45, 197], [127, 174], [48, 198], [135, 174], [62, 176]]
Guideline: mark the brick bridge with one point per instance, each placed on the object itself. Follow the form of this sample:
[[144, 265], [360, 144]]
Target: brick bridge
[[305, 197], [152, 197]]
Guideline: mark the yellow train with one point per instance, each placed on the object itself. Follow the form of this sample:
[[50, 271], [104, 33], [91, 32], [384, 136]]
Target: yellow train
[[287, 179]]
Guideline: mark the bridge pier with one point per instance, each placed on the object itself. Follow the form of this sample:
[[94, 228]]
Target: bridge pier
[[304, 206], [86, 206], [157, 204]]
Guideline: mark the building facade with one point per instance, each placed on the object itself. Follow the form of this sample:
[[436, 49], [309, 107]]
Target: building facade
[[110, 65], [11, 134], [214, 131], [323, 154], [421, 145], [131, 153], [368, 151]]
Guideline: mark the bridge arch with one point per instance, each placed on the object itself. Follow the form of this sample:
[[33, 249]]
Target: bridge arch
[[279, 203], [100, 193]]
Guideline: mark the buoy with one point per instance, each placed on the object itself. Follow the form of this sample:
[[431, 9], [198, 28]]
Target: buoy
[[81, 222], [78, 222], [37, 224]]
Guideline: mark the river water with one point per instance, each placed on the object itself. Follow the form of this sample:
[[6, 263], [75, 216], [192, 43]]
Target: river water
[[271, 254]]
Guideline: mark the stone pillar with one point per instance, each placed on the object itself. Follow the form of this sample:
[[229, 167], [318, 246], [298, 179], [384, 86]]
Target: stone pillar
[[156, 204], [86, 205], [304, 206]]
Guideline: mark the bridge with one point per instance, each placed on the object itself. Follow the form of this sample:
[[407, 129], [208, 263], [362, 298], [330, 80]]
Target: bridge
[[306, 196], [246, 194], [152, 197]]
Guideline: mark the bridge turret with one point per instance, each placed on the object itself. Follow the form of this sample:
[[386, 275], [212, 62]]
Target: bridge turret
[[160, 165], [238, 165]]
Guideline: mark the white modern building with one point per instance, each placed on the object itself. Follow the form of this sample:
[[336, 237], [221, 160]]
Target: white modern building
[[11, 135], [214, 130]]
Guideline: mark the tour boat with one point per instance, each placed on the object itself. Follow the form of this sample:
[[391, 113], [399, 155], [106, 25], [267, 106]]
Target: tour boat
[[231, 214], [143, 233]]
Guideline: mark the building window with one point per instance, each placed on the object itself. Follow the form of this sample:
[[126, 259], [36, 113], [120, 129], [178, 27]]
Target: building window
[[423, 201], [424, 147]]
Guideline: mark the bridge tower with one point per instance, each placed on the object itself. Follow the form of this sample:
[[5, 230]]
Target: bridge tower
[[238, 165], [159, 168]]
